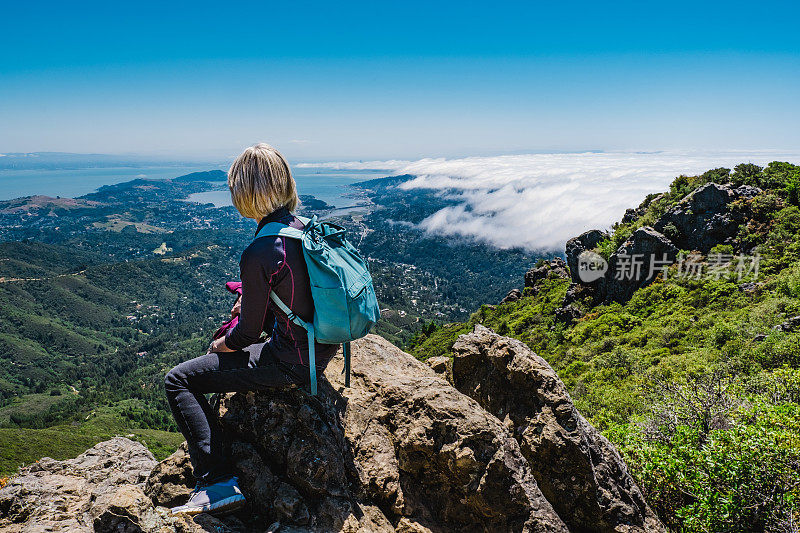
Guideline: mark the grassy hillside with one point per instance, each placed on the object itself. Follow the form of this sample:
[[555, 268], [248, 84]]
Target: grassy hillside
[[62, 441], [85, 344], [690, 379], [80, 325]]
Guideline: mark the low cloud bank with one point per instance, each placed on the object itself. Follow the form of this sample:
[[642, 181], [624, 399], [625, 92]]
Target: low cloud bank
[[539, 201], [393, 164]]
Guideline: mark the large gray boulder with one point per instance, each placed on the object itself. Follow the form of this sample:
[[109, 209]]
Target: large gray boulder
[[512, 296], [553, 269], [636, 264], [706, 217], [577, 245], [399, 448], [577, 469], [100, 490]]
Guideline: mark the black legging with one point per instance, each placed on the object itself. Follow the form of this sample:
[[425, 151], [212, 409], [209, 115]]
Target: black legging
[[238, 371]]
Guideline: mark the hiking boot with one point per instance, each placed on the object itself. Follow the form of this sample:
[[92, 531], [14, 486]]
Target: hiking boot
[[214, 498]]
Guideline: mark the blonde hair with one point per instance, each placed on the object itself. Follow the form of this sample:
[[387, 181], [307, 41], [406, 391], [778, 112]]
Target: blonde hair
[[261, 182]]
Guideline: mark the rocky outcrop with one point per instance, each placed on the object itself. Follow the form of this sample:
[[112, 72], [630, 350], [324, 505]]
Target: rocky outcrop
[[706, 217], [789, 325], [583, 293], [512, 296], [631, 215], [100, 490], [636, 263], [552, 269], [577, 469], [567, 314], [710, 215], [401, 450], [171, 481], [440, 364], [555, 268], [400, 447], [577, 245]]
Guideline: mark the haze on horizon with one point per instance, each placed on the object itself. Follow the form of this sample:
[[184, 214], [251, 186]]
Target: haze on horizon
[[370, 81]]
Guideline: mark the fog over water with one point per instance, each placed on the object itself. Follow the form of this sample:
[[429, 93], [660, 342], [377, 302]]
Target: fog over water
[[539, 201]]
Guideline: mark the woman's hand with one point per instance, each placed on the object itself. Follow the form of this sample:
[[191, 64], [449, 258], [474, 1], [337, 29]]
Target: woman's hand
[[218, 346], [237, 307]]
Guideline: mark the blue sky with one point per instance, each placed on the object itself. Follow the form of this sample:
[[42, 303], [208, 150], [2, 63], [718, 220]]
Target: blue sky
[[377, 80]]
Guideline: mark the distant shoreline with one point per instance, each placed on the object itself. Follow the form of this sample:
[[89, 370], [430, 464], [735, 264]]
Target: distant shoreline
[[323, 184], [73, 183]]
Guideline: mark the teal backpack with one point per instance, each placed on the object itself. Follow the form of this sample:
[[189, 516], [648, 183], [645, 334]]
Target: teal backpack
[[345, 306]]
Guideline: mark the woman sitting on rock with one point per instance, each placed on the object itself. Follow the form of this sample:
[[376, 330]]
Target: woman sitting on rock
[[262, 188]]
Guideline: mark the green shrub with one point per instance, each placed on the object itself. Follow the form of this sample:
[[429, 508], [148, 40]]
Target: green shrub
[[717, 175], [792, 189], [765, 205], [722, 332], [610, 244], [746, 174], [778, 349], [777, 174], [681, 186], [744, 478], [788, 283], [722, 249]]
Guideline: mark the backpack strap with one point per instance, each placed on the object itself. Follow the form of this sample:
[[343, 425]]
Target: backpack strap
[[309, 327], [276, 229], [346, 369]]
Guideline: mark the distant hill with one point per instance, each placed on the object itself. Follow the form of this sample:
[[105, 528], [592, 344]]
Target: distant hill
[[66, 160], [388, 181], [208, 175]]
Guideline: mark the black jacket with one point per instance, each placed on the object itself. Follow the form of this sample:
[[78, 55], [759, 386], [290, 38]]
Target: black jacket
[[276, 263]]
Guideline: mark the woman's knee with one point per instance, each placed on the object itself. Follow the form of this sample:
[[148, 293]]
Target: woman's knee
[[175, 379]]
